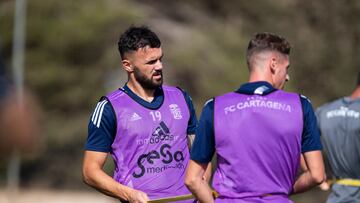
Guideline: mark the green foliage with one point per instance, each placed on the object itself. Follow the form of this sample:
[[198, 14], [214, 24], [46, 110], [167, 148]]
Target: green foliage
[[72, 59], [66, 64]]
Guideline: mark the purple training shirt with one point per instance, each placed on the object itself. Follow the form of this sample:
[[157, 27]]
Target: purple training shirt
[[258, 145], [150, 148]]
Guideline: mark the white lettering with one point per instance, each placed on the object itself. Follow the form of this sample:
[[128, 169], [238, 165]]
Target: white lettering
[[343, 112], [256, 102], [230, 109]]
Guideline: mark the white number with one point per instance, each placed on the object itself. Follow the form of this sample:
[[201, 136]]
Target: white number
[[155, 115]]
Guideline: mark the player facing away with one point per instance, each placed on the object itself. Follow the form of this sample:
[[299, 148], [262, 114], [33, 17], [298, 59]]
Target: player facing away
[[144, 125], [339, 123], [259, 132]]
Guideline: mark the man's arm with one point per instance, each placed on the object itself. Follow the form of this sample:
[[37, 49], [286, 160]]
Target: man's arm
[[94, 175], [192, 124], [312, 162], [324, 185], [314, 172], [101, 133], [201, 153], [207, 173], [197, 184]]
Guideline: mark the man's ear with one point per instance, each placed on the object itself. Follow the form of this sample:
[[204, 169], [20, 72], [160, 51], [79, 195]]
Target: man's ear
[[128, 67], [273, 64]]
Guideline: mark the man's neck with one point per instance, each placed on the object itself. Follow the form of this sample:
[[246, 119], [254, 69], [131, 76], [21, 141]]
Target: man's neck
[[145, 94], [256, 77], [356, 93]]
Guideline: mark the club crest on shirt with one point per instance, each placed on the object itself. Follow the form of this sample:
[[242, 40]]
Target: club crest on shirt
[[175, 110]]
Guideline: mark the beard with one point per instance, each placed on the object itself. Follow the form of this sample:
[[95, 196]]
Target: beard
[[148, 83]]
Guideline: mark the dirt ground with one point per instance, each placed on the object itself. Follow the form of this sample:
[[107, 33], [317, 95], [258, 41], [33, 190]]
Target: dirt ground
[[51, 196]]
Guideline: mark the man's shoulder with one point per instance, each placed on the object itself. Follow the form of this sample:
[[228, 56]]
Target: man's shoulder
[[330, 105], [114, 94], [289, 94], [176, 90], [172, 88], [227, 94]]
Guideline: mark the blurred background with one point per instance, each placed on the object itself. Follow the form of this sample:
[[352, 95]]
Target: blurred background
[[71, 59]]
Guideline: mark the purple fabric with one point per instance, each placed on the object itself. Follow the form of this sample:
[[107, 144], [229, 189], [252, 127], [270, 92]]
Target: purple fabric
[[266, 199], [258, 144], [150, 148]]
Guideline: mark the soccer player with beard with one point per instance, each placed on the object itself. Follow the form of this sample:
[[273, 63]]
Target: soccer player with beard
[[144, 125]]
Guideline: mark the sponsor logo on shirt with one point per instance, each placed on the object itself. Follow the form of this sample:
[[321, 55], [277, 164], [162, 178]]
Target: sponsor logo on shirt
[[160, 134], [135, 117], [161, 159], [157, 161], [258, 102], [175, 110], [343, 112]]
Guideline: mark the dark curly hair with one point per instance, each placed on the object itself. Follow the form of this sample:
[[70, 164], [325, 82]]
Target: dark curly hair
[[137, 37]]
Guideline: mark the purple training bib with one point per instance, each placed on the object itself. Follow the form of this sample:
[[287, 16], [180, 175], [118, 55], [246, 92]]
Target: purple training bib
[[150, 148], [258, 145]]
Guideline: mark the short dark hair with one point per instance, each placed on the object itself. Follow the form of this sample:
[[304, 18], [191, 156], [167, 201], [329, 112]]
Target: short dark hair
[[358, 79], [137, 37], [266, 41]]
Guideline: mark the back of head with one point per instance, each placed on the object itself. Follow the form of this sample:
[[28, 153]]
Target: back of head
[[266, 42], [358, 79], [137, 37]]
